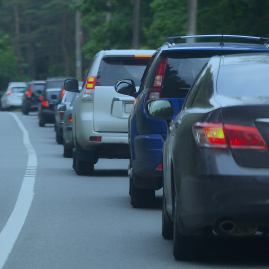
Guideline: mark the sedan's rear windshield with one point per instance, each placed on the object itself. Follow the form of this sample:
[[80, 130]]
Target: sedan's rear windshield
[[180, 75], [18, 89], [243, 80], [113, 69]]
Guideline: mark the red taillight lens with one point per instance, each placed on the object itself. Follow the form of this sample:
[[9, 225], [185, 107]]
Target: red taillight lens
[[41, 98], [159, 167], [45, 104], [29, 93], [155, 91], [209, 135], [70, 119], [91, 81], [9, 92], [244, 137], [95, 138], [62, 93], [214, 135]]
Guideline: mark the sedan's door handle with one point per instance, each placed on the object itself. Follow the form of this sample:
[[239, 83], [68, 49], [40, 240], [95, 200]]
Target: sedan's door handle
[[126, 99]]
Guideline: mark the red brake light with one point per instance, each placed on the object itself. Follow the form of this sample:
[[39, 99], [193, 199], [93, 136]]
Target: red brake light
[[62, 93], [9, 92], [70, 119], [90, 84], [29, 93], [45, 103], [160, 167], [244, 137], [155, 91], [95, 138], [209, 135], [41, 98], [214, 135]]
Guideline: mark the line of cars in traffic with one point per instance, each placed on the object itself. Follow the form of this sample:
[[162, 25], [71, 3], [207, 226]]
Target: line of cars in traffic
[[192, 118]]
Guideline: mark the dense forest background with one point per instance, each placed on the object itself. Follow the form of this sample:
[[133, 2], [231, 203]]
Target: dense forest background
[[37, 38]]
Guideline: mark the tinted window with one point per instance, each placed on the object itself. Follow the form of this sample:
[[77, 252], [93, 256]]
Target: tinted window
[[38, 87], [18, 89], [243, 80], [54, 84], [180, 75], [113, 69]]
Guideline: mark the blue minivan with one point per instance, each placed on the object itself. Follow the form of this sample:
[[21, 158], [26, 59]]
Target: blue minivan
[[169, 75]]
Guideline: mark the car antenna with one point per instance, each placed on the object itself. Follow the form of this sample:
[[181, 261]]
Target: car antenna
[[221, 41]]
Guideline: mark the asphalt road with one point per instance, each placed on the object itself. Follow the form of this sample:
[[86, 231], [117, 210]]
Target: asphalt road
[[88, 222]]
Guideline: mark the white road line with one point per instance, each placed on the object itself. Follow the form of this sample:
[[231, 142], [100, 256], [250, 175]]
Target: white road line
[[11, 231]]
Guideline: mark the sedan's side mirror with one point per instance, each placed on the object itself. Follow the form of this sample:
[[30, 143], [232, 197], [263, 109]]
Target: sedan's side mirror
[[159, 109], [126, 87], [71, 85], [61, 107]]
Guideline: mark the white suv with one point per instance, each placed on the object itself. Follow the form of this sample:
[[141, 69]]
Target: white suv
[[100, 115]]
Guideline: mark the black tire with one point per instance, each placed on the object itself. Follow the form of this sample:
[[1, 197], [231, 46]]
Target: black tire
[[68, 153], [82, 168], [24, 111], [141, 198], [59, 138], [167, 224], [185, 247], [41, 123]]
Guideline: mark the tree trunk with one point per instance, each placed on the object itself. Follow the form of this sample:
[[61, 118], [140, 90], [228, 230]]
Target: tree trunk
[[191, 24], [30, 48], [136, 24], [17, 40], [65, 53]]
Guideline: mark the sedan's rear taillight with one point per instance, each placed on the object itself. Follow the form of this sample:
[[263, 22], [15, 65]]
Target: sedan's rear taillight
[[215, 135], [209, 135], [9, 92], [244, 137]]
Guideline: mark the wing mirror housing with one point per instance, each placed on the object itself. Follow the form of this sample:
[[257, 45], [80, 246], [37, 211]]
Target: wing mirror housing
[[126, 87], [71, 85], [159, 109]]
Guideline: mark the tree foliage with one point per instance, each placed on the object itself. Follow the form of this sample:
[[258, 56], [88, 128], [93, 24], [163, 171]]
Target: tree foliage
[[37, 37]]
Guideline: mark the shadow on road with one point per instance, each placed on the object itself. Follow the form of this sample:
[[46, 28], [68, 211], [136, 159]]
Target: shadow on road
[[111, 173], [235, 252]]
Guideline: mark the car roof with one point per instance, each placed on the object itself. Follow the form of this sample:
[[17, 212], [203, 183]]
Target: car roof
[[130, 52], [214, 46], [250, 58], [23, 84]]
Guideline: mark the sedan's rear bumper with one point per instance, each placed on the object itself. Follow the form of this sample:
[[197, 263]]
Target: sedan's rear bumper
[[205, 200]]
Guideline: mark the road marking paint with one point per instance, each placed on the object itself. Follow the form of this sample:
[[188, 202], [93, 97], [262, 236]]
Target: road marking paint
[[12, 229]]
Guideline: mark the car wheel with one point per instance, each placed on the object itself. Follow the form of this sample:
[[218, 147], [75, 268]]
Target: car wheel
[[41, 123], [141, 197], [185, 247], [82, 167], [167, 224], [68, 153], [24, 111], [59, 138]]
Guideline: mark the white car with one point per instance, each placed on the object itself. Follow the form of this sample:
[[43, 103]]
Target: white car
[[12, 98], [100, 115]]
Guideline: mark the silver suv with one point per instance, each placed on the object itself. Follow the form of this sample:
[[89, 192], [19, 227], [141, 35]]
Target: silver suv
[[100, 115]]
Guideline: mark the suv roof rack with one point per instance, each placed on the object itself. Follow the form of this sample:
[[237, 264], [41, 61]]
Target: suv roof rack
[[171, 40]]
